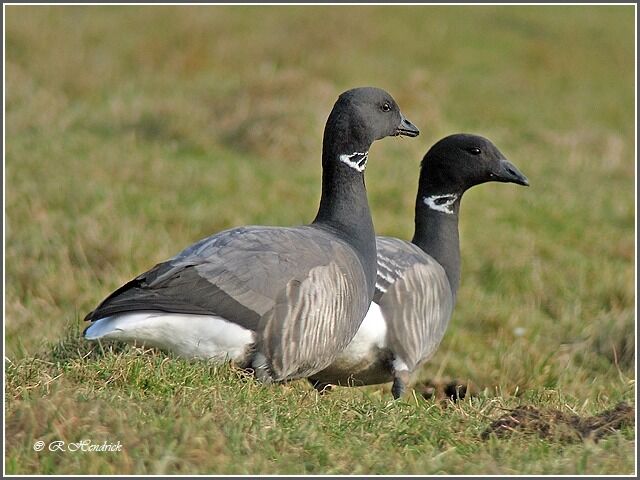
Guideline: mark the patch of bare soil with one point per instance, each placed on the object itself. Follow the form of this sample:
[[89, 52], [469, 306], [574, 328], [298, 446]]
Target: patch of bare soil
[[446, 389], [552, 423]]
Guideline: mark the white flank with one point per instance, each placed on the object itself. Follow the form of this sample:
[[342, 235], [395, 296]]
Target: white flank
[[191, 336], [371, 334], [399, 365], [356, 160], [388, 278], [389, 264], [445, 207]]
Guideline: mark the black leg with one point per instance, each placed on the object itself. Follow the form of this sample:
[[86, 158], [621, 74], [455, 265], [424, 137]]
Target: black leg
[[260, 368], [400, 381]]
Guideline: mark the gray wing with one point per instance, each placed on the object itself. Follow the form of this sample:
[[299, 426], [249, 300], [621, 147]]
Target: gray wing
[[236, 274], [394, 257], [417, 304]]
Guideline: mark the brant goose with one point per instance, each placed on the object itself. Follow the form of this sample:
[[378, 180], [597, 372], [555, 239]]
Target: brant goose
[[282, 301], [417, 282]]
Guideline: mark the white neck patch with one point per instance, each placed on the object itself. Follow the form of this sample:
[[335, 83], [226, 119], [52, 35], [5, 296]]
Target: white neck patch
[[441, 203], [356, 160]]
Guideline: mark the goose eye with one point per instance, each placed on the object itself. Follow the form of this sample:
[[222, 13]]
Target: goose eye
[[474, 151], [386, 107]]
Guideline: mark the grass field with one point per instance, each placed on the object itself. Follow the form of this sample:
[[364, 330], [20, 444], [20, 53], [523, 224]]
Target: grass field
[[132, 132]]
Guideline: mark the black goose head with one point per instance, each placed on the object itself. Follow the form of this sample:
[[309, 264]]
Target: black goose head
[[460, 161], [362, 115]]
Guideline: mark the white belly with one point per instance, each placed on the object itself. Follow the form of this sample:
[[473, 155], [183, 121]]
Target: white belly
[[371, 336], [367, 359], [191, 336]]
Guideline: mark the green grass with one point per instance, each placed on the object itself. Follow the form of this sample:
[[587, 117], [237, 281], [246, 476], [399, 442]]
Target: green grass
[[131, 132]]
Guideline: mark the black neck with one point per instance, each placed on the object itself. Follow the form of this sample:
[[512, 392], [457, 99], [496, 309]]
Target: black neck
[[344, 208], [437, 234]]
